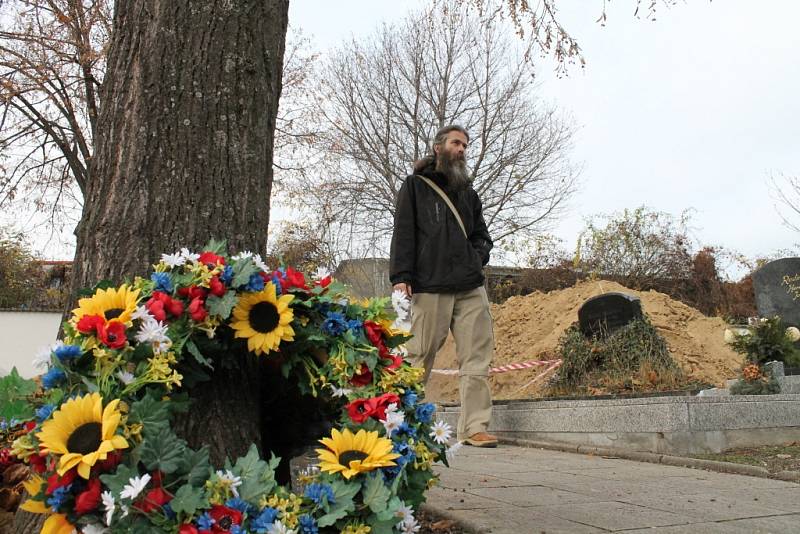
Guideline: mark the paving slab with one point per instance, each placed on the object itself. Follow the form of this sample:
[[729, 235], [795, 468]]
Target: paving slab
[[525, 490]]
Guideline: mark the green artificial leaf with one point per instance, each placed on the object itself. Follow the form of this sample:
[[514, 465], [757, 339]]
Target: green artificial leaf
[[381, 526], [258, 476], [222, 306], [162, 451], [153, 414], [343, 493], [376, 494], [388, 513], [120, 477], [196, 465], [217, 247], [188, 500], [242, 269], [14, 392], [194, 351]]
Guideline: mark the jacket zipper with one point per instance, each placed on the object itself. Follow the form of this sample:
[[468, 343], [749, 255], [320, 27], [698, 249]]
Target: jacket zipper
[[437, 212]]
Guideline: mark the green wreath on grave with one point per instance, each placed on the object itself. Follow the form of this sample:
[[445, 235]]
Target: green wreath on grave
[[103, 451]]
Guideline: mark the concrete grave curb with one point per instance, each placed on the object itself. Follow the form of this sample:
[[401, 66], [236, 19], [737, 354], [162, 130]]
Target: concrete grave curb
[[655, 458]]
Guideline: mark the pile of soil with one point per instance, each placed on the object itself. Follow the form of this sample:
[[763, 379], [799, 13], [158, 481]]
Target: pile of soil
[[528, 328]]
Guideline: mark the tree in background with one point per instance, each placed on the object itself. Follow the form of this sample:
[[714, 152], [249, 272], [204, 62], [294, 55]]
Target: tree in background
[[786, 189], [384, 98], [20, 271]]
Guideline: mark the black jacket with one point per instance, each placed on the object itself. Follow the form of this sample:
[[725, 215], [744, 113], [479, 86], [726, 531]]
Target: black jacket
[[429, 250]]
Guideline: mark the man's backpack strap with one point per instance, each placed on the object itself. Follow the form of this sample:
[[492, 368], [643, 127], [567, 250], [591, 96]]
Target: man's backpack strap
[[447, 201]]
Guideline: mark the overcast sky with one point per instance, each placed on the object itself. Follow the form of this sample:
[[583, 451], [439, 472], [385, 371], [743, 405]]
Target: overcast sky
[[694, 110]]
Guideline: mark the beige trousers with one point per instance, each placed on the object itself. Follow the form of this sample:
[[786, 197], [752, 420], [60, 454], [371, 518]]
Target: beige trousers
[[467, 315]]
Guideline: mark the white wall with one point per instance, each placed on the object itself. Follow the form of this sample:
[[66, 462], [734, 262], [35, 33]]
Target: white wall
[[22, 334]]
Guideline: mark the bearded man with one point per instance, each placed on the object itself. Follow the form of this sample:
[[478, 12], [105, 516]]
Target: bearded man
[[439, 247]]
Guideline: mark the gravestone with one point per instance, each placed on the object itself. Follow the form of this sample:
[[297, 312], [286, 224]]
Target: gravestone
[[607, 312], [772, 295]]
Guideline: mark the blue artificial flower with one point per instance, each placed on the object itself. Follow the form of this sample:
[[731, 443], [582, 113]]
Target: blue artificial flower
[[204, 522], [227, 275], [276, 280], [163, 282], [407, 429], [263, 522], [410, 399], [3, 424], [256, 283], [44, 412], [57, 499], [390, 473], [67, 352], [236, 529], [308, 525], [53, 377], [334, 324], [241, 505], [168, 511], [424, 412], [354, 325], [315, 492]]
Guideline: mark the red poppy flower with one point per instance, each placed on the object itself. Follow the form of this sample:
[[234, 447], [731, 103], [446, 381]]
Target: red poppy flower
[[381, 403], [364, 378], [187, 528], [359, 410], [90, 324], [29, 426], [196, 310], [193, 292], [294, 278], [160, 304], [325, 282], [112, 335], [216, 286], [38, 463], [396, 361], [89, 499], [112, 460], [54, 481], [224, 518], [210, 259], [153, 500]]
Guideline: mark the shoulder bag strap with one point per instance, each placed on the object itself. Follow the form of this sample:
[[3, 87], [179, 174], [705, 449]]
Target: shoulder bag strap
[[447, 201]]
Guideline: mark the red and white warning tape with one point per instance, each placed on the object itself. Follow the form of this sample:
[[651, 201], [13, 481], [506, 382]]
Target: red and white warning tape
[[505, 368]]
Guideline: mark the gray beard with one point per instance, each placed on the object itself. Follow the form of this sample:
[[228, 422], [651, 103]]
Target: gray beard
[[455, 170]]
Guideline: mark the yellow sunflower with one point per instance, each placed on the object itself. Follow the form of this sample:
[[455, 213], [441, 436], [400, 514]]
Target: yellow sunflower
[[57, 524], [111, 303], [82, 433], [352, 454], [33, 486], [264, 319]]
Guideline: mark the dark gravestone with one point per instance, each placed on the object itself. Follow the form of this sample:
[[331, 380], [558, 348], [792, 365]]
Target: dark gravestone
[[772, 295], [605, 313]]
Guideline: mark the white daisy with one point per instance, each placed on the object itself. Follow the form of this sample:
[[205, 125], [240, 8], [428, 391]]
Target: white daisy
[[43, 357], [141, 314], [125, 377], [230, 480], [134, 487], [93, 528], [401, 304], [151, 331], [279, 528], [441, 432], [260, 263], [452, 450], [189, 256], [173, 260], [322, 272], [410, 527], [404, 513], [340, 392], [242, 255], [108, 505], [393, 421]]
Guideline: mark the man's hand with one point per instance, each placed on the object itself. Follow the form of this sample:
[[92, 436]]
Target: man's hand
[[403, 287]]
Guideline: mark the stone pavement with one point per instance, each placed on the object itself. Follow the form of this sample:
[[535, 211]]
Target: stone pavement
[[527, 491]]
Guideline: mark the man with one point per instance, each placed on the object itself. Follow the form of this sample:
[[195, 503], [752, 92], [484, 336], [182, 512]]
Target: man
[[439, 264]]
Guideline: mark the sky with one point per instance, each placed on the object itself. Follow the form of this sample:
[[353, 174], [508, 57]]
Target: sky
[[694, 110]]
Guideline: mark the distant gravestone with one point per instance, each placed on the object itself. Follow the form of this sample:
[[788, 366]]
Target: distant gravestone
[[772, 295], [605, 313]]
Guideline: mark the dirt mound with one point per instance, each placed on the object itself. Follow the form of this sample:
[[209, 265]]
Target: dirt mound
[[528, 328]]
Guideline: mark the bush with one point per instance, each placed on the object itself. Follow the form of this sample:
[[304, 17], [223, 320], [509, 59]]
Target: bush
[[634, 357], [767, 341], [755, 381], [20, 272]]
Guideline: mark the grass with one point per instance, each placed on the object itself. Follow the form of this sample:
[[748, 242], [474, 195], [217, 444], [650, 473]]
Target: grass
[[774, 458]]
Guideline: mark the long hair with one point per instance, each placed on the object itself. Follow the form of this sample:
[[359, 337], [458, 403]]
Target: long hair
[[438, 140]]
